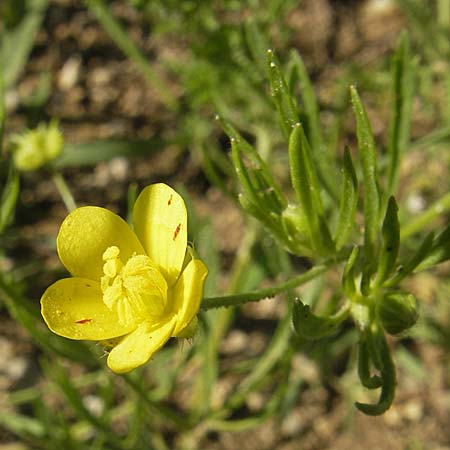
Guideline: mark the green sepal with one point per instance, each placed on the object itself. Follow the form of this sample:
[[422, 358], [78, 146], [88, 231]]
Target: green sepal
[[307, 188], [348, 202], [390, 233], [284, 102], [397, 312], [311, 326], [367, 154], [190, 330]]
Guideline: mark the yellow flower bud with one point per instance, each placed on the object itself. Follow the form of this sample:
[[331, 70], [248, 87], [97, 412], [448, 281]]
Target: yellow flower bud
[[35, 148]]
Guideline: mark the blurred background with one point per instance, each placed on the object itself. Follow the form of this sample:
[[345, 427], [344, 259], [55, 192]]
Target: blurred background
[[135, 86]]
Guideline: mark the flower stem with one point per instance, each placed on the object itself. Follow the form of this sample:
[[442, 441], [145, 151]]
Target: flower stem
[[435, 210], [64, 191], [255, 296]]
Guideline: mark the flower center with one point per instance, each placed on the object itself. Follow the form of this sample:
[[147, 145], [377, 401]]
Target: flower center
[[136, 289]]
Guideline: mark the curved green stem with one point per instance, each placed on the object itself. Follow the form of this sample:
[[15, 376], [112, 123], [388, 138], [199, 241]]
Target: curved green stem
[[435, 210], [64, 191], [255, 296]]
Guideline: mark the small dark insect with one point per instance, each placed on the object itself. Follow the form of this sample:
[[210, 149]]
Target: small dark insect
[[83, 321], [177, 231], [170, 200]]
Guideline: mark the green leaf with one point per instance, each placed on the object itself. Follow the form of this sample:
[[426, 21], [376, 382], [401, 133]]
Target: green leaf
[[256, 180], [309, 100], [306, 186], [439, 252], [91, 153], [400, 126], [348, 202], [367, 153], [390, 233], [9, 198], [312, 327], [285, 104], [417, 258], [436, 210]]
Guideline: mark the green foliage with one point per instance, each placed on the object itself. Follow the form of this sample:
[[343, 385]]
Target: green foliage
[[372, 262]]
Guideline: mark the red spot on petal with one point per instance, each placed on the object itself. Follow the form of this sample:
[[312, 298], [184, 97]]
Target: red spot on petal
[[82, 321], [177, 231], [170, 200]]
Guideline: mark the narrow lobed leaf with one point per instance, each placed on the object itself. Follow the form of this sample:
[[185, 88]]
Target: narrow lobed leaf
[[390, 233], [367, 153], [253, 173], [313, 132], [367, 380], [439, 252], [348, 202], [307, 188], [380, 354], [349, 276], [284, 102], [311, 326]]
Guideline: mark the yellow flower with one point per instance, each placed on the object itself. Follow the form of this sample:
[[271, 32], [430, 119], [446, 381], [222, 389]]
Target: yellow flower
[[137, 289]]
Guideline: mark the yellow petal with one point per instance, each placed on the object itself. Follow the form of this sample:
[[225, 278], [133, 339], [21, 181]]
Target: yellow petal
[[160, 221], [84, 236], [73, 308], [139, 346], [187, 294]]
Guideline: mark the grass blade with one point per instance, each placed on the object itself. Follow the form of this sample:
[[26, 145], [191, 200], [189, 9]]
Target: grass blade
[[400, 126], [121, 38], [18, 42], [91, 153], [9, 199]]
